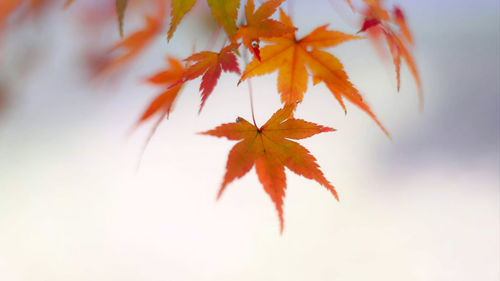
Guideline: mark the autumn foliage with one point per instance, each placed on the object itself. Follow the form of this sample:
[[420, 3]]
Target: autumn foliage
[[265, 31], [379, 22], [270, 148]]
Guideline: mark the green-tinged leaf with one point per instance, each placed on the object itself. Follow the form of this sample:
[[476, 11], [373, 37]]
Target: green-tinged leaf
[[179, 9], [225, 13]]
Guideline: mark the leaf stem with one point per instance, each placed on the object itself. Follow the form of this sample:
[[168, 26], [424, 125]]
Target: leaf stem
[[250, 92], [250, 88]]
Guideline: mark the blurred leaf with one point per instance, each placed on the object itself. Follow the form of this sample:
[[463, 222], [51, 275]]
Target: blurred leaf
[[166, 78], [68, 3], [377, 18], [225, 13], [131, 46]]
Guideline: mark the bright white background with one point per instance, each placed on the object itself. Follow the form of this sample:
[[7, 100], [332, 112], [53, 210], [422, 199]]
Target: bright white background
[[422, 207]]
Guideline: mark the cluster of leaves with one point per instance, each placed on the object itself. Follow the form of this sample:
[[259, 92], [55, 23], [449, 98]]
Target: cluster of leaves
[[380, 22], [271, 147]]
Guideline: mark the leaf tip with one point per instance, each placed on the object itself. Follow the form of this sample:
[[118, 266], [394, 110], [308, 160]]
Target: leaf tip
[[327, 129], [205, 133], [282, 224], [221, 190]]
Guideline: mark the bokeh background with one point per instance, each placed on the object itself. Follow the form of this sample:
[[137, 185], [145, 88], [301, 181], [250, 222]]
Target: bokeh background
[[74, 205]]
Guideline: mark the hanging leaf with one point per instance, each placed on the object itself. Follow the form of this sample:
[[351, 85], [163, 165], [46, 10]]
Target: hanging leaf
[[271, 148], [259, 25], [225, 13], [292, 57], [178, 10], [163, 103], [399, 41], [131, 46], [400, 20], [210, 65]]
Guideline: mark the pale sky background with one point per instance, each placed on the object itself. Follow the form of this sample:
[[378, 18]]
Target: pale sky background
[[424, 207]]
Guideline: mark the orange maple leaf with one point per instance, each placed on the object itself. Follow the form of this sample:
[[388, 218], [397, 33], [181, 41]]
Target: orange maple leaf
[[132, 45], [224, 12], [210, 65], [378, 21], [259, 25], [164, 102], [291, 56], [270, 148]]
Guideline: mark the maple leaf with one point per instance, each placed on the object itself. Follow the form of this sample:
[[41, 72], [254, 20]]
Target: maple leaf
[[178, 10], [378, 20], [224, 12], [291, 56], [259, 25], [400, 20], [120, 5], [271, 148], [164, 102], [210, 65], [165, 78], [376, 11], [132, 45]]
